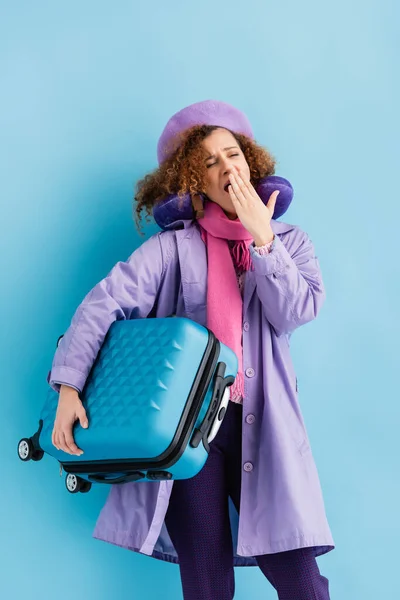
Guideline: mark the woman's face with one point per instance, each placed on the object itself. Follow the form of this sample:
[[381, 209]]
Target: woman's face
[[223, 156]]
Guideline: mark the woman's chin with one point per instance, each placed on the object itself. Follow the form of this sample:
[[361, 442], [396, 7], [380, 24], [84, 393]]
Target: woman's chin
[[231, 216], [227, 207], [230, 211]]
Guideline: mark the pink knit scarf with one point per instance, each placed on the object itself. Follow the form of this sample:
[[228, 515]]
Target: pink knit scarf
[[224, 300]]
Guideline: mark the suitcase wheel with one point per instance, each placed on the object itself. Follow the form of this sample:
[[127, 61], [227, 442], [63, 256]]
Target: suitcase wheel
[[75, 484], [27, 451]]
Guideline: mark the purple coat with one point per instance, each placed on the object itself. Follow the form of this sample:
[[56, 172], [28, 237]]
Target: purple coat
[[282, 507]]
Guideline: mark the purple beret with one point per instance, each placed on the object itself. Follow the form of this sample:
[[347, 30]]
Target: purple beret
[[208, 112]]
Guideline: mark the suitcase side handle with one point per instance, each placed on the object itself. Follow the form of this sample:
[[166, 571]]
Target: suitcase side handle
[[221, 382], [101, 478]]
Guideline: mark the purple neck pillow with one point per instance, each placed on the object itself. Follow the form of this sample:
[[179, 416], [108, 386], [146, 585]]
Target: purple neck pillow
[[168, 213]]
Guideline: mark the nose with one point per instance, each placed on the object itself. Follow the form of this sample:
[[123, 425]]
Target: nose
[[229, 170], [228, 167]]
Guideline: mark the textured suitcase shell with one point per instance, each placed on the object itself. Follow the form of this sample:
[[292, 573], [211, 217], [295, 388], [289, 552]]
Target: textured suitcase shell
[[148, 393]]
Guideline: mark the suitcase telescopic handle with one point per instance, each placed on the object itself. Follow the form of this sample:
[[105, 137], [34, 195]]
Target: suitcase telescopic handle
[[221, 382], [100, 478]]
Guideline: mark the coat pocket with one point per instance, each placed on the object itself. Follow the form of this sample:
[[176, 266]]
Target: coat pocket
[[294, 423]]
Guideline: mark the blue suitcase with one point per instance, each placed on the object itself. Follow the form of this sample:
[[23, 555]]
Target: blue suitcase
[[155, 397]]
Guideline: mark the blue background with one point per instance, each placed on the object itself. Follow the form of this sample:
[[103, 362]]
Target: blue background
[[87, 88]]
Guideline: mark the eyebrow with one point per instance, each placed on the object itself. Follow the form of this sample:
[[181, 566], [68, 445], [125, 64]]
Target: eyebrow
[[224, 149]]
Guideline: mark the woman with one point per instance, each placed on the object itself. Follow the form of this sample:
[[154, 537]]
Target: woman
[[253, 281]]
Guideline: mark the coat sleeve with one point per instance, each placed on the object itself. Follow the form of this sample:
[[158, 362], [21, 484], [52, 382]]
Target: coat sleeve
[[289, 282], [127, 292]]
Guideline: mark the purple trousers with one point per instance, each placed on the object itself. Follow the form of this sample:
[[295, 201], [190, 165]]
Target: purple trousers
[[198, 523]]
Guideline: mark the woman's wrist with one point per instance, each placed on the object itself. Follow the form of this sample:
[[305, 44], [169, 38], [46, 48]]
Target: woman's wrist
[[266, 238], [67, 390]]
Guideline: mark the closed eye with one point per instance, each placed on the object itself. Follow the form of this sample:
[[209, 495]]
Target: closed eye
[[212, 164]]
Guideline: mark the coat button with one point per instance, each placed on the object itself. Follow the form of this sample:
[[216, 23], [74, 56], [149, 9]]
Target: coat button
[[250, 372], [246, 326], [248, 467], [250, 419]]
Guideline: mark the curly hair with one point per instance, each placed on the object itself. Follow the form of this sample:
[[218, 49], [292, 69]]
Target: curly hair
[[185, 170]]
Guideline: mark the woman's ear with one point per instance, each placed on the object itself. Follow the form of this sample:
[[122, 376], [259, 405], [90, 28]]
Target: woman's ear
[[198, 205]]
